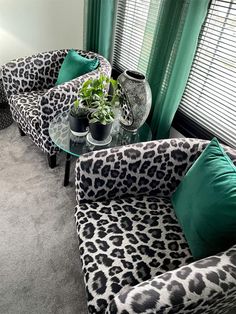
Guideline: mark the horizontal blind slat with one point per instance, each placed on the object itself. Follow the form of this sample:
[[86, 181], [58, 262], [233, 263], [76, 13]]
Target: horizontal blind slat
[[206, 102], [135, 27], [209, 98], [210, 118], [201, 123]]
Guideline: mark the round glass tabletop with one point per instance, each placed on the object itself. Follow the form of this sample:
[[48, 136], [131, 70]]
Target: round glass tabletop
[[60, 133]]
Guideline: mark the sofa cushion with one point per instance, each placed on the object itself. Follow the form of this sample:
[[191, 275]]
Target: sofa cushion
[[27, 105], [75, 65], [124, 242], [205, 202]]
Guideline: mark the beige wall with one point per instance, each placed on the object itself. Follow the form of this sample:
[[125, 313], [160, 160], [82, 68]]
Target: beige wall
[[30, 26]]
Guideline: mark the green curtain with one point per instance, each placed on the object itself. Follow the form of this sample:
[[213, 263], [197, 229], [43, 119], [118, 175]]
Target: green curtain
[[99, 18], [175, 41]]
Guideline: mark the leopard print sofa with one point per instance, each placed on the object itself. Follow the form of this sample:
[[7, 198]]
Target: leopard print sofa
[[33, 97], [135, 258]]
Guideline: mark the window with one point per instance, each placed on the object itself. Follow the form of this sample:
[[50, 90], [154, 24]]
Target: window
[[135, 28], [209, 100]]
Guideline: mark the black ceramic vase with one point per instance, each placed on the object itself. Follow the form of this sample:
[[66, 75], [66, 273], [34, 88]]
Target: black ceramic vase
[[78, 124], [99, 131]]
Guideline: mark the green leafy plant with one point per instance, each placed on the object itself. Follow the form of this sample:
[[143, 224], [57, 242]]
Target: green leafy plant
[[103, 114], [78, 110], [102, 96], [93, 89]]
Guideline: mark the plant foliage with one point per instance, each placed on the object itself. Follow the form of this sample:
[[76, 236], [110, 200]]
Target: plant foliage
[[101, 95], [78, 110]]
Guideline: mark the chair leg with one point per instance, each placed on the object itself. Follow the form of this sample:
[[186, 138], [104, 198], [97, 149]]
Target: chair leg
[[22, 133], [52, 161]]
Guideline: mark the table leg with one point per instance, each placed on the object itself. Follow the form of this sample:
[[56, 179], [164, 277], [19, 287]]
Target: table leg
[[67, 170]]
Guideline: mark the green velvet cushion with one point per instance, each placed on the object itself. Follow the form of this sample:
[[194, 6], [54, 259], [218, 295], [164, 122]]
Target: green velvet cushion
[[205, 202], [75, 65]]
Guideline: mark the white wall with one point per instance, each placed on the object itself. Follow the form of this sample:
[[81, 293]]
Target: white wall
[[30, 26]]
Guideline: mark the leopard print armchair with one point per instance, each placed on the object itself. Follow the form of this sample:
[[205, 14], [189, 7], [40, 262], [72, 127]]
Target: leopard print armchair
[[134, 255], [33, 97]]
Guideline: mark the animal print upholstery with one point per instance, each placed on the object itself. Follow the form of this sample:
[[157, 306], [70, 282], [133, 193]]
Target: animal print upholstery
[[125, 242], [134, 255], [205, 286], [3, 97], [34, 78], [154, 168], [27, 104]]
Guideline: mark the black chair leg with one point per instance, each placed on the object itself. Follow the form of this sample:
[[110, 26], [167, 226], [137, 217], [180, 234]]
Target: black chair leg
[[52, 161], [67, 170], [22, 133]]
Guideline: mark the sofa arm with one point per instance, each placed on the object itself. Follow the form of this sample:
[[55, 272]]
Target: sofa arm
[[59, 99], [35, 72], [205, 286], [153, 168]]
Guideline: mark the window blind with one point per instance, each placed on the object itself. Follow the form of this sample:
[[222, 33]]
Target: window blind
[[210, 95], [135, 28]]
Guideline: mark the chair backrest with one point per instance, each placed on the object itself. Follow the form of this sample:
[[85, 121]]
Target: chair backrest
[[40, 71], [154, 168]]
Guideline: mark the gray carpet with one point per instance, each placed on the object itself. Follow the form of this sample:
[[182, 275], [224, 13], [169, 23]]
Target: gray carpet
[[40, 269], [39, 261]]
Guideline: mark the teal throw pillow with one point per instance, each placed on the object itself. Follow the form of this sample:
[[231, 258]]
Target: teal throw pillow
[[205, 202], [75, 65]]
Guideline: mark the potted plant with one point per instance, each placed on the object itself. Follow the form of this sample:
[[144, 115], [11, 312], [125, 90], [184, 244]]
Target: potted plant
[[92, 90], [102, 117], [100, 122], [78, 119]]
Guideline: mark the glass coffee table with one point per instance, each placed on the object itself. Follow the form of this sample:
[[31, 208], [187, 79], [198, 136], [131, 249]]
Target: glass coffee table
[[60, 133]]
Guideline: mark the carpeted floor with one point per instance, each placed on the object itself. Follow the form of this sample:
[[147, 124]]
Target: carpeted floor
[[40, 269]]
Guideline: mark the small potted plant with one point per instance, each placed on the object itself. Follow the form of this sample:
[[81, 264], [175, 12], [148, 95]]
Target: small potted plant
[[78, 119], [92, 90], [102, 117], [100, 122]]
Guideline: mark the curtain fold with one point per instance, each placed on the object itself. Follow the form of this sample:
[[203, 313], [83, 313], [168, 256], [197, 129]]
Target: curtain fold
[[99, 17], [178, 27]]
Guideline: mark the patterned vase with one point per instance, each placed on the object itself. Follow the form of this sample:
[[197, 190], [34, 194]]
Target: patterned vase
[[135, 100]]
